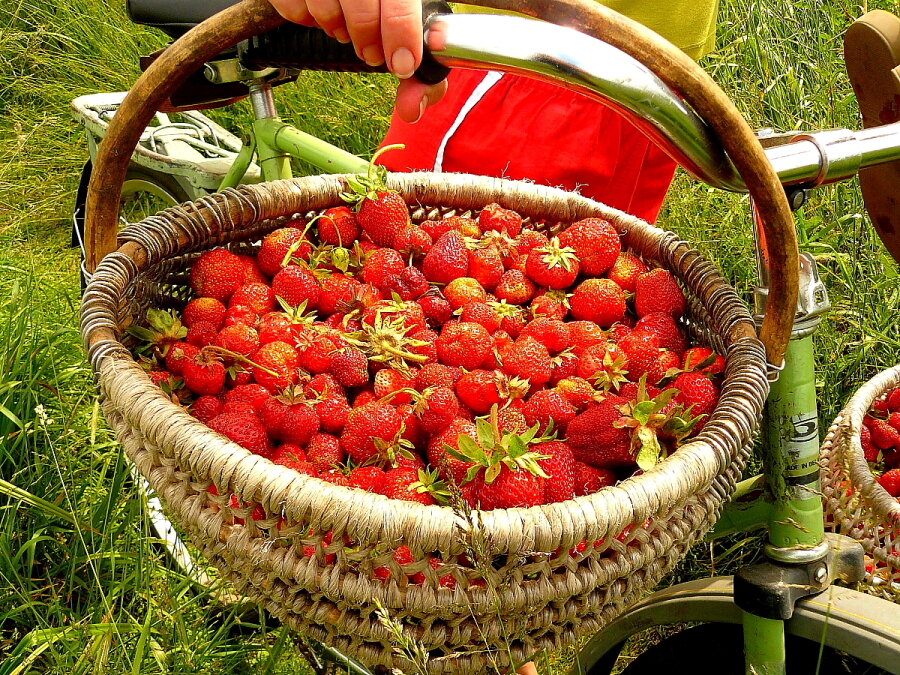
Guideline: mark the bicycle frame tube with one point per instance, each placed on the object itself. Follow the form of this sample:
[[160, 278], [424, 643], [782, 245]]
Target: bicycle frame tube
[[280, 138]]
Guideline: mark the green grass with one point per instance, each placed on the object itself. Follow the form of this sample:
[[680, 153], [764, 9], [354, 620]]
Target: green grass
[[82, 588]]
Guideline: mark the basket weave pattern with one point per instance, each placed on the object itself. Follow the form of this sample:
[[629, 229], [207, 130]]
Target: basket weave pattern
[[538, 595], [855, 504]]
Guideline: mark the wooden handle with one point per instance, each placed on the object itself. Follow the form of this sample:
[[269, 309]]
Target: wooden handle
[[872, 54], [154, 86], [668, 62]]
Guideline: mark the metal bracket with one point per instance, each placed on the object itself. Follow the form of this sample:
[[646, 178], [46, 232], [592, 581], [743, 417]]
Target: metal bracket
[[812, 302], [772, 589], [231, 70]]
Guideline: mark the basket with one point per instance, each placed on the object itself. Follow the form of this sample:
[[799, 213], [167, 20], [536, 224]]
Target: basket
[[855, 504], [308, 553]]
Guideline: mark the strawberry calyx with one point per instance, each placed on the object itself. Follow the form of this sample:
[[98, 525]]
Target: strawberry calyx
[[396, 447], [613, 374], [430, 483], [494, 449], [164, 330], [386, 341], [554, 254], [648, 418], [368, 186]]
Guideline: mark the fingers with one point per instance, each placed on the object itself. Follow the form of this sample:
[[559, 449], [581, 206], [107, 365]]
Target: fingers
[[329, 15], [294, 10], [401, 35], [363, 18], [413, 98]]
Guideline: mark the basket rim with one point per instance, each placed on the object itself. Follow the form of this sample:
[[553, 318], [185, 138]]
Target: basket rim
[[691, 469]]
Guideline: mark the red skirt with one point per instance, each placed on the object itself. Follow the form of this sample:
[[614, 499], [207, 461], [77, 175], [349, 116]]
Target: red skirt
[[515, 127]]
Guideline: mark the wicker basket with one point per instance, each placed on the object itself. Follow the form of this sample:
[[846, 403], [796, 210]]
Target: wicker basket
[[540, 595], [855, 504]]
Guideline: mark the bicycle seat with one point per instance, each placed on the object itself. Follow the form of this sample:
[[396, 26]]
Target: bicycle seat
[[174, 17]]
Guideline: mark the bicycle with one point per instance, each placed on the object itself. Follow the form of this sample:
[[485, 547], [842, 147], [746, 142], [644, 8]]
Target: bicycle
[[804, 563]]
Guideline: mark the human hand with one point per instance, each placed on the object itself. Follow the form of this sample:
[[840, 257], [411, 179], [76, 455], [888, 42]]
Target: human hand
[[382, 31]]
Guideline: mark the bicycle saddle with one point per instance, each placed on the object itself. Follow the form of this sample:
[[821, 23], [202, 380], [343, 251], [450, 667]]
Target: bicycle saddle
[[174, 17]]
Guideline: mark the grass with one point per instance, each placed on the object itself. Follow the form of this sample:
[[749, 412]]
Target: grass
[[82, 586]]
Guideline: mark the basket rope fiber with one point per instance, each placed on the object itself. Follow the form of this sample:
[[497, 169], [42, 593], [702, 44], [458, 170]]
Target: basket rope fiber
[[277, 545], [855, 504]]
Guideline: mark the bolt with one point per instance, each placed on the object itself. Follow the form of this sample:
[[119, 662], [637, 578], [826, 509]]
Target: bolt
[[820, 575]]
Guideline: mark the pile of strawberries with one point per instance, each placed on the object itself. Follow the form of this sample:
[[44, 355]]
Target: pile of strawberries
[[473, 361], [880, 439]]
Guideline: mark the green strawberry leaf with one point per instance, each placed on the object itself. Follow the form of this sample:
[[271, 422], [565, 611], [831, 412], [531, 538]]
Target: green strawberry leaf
[[649, 454], [492, 472], [141, 333]]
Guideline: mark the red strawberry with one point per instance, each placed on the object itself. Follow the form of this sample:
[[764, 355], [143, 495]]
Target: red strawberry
[[336, 289], [589, 479], [318, 351], [366, 425], [870, 450], [338, 227], [560, 468], [596, 441], [279, 246], [513, 489], [464, 344], [389, 381], [448, 466], [626, 270], [292, 456], [483, 389], [435, 307], [413, 242], [382, 215], [515, 288], [464, 291], [295, 285], [698, 392], [577, 391], [240, 314], [884, 436], [529, 359], [599, 300], [324, 451], [299, 423], [333, 411], [606, 366], [410, 284], [695, 357], [413, 485], [255, 295], [217, 274], [381, 267], [436, 409], [553, 266], [894, 420], [436, 375], [209, 310], [447, 260], [240, 339], [512, 317], [204, 374], [245, 430], [178, 355], [350, 367], [550, 305], [596, 243], [547, 406], [275, 365], [485, 266], [890, 481], [642, 352], [584, 334], [252, 272], [495, 217], [254, 394], [206, 407], [666, 328], [368, 478], [483, 313], [552, 333], [892, 401], [657, 291], [529, 240]]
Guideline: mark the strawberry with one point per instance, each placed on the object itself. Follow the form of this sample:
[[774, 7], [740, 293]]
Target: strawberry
[[366, 425], [240, 314], [435, 308], [275, 365], [527, 241], [589, 479], [463, 344], [884, 436], [437, 228], [299, 423], [598, 300], [178, 355], [254, 394], [240, 339], [388, 382], [205, 407], [410, 284], [245, 430], [657, 291], [560, 468], [402, 556], [413, 242], [465, 226], [515, 288], [447, 260], [485, 266], [336, 289], [697, 392], [324, 451], [317, 351], [894, 420], [451, 468], [870, 450], [605, 366], [553, 266], [279, 246], [890, 481], [204, 374], [350, 367], [666, 328], [296, 285], [528, 359], [338, 227], [293, 457], [333, 411], [381, 267], [512, 317], [513, 488], [436, 375], [577, 391], [217, 274], [550, 305], [483, 313], [464, 291], [414, 485], [552, 333], [584, 334], [595, 242], [252, 272], [257, 296], [641, 350], [209, 310], [546, 406], [626, 270], [495, 217], [596, 441], [381, 213], [482, 389], [704, 360], [892, 401], [368, 478], [436, 409]]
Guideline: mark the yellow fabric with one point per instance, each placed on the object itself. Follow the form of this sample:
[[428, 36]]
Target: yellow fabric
[[688, 24]]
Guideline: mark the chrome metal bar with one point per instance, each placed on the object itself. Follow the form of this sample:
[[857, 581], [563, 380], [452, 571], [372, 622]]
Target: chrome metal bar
[[571, 59], [563, 56]]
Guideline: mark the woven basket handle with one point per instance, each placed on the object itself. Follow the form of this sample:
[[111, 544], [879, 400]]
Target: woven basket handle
[[670, 64]]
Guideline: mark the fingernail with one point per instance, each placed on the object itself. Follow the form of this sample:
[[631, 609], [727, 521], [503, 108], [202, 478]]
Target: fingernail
[[422, 105], [341, 35], [373, 55], [403, 63]]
